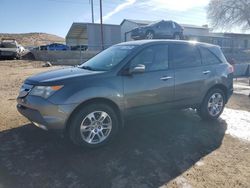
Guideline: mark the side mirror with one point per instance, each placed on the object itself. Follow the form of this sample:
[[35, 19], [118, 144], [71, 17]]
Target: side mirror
[[140, 68]]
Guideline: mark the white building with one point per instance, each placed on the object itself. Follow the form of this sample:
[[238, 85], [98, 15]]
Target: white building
[[89, 34], [127, 25], [194, 30]]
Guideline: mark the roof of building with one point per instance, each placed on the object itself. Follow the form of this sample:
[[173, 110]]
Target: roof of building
[[139, 22], [236, 34], [79, 29], [193, 26]]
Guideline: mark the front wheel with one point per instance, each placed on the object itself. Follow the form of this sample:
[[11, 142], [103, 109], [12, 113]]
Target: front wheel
[[212, 105], [150, 35], [94, 125], [18, 57]]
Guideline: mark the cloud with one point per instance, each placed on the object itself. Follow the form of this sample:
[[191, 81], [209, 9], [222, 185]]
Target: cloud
[[176, 5], [118, 8]]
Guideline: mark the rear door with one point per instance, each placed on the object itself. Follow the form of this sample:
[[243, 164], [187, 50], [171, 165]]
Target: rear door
[[165, 30], [152, 90], [212, 64], [190, 78]]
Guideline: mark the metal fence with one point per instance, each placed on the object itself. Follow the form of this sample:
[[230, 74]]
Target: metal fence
[[242, 70], [68, 57]]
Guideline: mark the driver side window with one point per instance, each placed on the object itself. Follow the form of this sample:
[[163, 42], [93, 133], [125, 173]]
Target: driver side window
[[154, 58]]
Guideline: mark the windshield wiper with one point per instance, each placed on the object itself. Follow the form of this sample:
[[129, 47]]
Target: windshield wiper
[[90, 68], [87, 68]]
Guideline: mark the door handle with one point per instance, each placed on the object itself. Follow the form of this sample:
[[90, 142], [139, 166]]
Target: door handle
[[164, 78], [206, 72]]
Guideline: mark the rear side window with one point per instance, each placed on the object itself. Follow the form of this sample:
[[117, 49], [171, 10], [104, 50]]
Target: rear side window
[[208, 58], [173, 25], [184, 56], [166, 25], [154, 58]]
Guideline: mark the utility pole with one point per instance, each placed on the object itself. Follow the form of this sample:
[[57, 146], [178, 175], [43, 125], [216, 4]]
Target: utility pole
[[92, 10], [101, 25]]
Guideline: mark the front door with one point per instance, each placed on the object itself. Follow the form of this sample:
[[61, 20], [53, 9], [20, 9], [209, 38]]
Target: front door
[[152, 90]]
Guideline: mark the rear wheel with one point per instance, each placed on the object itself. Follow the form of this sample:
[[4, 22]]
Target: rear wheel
[[212, 105], [177, 36], [93, 125]]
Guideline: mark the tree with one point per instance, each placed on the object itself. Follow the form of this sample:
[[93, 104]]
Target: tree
[[229, 13]]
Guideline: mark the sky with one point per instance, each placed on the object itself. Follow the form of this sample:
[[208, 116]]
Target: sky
[[56, 16]]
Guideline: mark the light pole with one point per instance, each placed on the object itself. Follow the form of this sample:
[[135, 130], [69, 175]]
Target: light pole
[[92, 10], [101, 25]]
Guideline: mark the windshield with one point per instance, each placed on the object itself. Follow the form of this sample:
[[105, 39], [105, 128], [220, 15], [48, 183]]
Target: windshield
[[8, 45], [108, 58], [153, 23]]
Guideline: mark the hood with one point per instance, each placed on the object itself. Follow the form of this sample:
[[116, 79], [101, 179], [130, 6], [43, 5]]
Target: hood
[[140, 28], [59, 76]]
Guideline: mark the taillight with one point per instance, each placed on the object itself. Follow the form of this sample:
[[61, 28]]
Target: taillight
[[230, 68]]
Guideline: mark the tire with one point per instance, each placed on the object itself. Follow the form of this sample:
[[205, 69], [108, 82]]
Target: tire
[[212, 105], [177, 36], [18, 57], [88, 133], [149, 35]]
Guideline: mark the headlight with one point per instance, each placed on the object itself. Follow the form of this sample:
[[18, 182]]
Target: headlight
[[44, 91]]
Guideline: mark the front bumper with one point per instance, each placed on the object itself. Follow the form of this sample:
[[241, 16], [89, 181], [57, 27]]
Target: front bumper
[[43, 113], [138, 37], [229, 93]]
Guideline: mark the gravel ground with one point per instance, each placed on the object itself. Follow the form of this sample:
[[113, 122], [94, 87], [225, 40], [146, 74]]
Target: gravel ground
[[176, 149]]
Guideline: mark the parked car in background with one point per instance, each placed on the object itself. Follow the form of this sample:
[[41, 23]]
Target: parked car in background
[[43, 47], [10, 49], [79, 47], [90, 102], [55, 47], [158, 30], [58, 46]]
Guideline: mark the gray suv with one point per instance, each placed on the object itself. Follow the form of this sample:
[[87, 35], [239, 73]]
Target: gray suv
[[159, 30], [90, 102]]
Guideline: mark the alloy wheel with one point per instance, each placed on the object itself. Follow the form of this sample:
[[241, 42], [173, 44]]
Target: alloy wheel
[[96, 127], [215, 104], [150, 35]]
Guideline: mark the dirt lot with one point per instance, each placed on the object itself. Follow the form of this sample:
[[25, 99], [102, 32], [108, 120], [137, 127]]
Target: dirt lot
[[167, 150]]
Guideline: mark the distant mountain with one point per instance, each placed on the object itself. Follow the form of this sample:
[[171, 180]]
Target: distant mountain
[[33, 39]]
